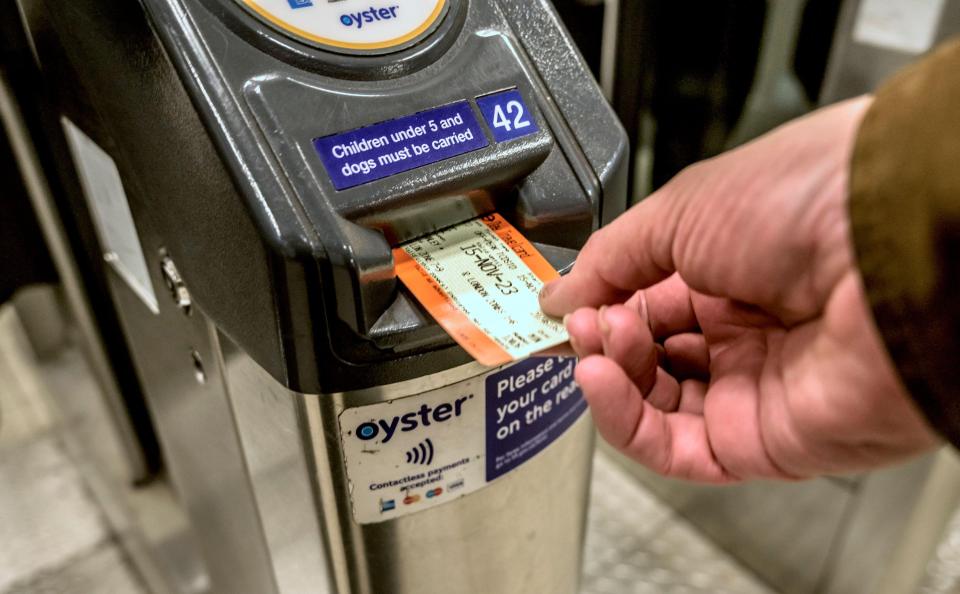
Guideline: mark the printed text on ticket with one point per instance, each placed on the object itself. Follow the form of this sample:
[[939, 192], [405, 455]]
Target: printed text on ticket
[[480, 281]]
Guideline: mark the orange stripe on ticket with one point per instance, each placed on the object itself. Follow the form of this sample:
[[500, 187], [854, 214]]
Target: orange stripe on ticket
[[436, 301], [521, 246], [448, 313]]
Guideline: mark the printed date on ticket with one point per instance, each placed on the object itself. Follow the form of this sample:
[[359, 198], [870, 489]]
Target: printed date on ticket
[[480, 281]]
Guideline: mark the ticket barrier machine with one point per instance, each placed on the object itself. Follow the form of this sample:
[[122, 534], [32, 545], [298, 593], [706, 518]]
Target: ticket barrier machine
[[248, 166]]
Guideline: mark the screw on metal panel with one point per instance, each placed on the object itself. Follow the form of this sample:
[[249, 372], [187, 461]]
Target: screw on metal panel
[[174, 282], [198, 372]]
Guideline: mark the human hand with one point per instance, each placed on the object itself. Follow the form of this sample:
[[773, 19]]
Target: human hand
[[733, 339]]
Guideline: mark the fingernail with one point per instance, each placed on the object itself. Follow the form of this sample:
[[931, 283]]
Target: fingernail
[[604, 327], [546, 290], [602, 324], [575, 345], [662, 359], [645, 311]]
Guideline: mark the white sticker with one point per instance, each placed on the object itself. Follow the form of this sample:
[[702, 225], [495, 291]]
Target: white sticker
[[352, 24], [906, 26], [111, 213], [414, 453]]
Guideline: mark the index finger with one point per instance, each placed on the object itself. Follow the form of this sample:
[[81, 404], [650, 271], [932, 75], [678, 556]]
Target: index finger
[[631, 253], [672, 444]]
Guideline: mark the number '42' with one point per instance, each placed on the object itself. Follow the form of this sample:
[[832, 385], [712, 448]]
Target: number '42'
[[514, 110]]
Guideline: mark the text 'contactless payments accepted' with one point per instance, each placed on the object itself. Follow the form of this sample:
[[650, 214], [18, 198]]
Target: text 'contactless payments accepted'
[[415, 453], [481, 280]]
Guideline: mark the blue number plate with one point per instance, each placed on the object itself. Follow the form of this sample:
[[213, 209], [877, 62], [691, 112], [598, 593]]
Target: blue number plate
[[507, 115]]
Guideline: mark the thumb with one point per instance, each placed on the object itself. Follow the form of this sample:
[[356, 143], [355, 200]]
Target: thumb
[[631, 253]]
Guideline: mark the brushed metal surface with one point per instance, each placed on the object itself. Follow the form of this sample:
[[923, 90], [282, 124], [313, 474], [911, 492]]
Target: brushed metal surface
[[902, 513], [269, 426], [523, 533], [201, 446], [856, 68]]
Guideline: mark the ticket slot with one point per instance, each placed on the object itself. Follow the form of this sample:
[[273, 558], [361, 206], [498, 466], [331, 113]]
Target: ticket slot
[[406, 325], [524, 167]]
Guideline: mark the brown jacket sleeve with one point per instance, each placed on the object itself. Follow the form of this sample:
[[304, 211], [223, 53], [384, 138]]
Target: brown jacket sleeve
[[905, 213]]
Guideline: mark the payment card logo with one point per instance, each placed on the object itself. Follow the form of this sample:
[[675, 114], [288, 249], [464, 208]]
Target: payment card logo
[[387, 505], [300, 3]]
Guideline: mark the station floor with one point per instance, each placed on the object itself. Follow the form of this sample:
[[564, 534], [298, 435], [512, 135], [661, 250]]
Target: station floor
[[55, 539]]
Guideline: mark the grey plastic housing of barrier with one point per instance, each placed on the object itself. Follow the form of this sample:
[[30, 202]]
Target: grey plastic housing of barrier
[[298, 274]]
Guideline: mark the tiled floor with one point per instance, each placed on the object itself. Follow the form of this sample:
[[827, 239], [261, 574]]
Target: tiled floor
[[636, 545], [54, 538], [47, 520]]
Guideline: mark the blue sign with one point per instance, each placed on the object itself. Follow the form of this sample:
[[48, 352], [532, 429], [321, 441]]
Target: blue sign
[[507, 115], [529, 405], [300, 3], [381, 150]]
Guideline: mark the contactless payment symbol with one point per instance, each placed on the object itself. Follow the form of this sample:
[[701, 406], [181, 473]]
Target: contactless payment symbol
[[507, 115], [422, 453]]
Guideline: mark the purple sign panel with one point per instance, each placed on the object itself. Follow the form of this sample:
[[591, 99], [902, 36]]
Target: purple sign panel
[[381, 150], [529, 405]]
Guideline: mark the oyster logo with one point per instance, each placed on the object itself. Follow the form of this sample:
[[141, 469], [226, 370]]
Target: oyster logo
[[352, 24], [370, 15], [406, 422]]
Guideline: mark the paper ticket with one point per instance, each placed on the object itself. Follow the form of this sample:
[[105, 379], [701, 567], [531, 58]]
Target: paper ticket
[[480, 281]]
